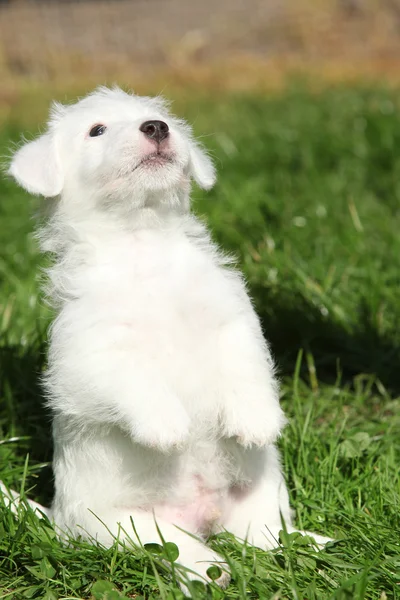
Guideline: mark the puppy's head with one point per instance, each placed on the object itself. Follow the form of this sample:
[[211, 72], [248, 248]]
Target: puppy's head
[[114, 147]]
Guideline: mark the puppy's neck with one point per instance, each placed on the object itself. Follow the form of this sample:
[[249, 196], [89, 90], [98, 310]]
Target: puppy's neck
[[68, 225]]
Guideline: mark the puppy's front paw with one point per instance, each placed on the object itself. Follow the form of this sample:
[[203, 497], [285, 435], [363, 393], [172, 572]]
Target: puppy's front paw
[[254, 428], [163, 430]]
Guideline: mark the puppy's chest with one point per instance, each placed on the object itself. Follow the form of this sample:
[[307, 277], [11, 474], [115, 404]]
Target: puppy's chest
[[163, 283]]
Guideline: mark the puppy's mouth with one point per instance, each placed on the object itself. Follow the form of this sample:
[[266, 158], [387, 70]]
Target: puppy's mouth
[[156, 159]]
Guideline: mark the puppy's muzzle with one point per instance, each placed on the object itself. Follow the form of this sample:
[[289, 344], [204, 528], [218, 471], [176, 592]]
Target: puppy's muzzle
[[155, 130]]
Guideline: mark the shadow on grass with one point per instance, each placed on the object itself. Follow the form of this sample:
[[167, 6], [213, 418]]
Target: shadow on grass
[[24, 413], [335, 349], [287, 329]]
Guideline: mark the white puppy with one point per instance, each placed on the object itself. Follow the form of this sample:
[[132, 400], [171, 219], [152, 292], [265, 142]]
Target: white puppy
[[161, 384]]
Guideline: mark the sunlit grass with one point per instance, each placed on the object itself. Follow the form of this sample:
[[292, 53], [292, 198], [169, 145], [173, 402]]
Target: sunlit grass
[[309, 199]]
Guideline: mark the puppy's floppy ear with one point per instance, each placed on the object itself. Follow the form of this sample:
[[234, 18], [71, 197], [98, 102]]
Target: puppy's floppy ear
[[201, 167], [36, 167]]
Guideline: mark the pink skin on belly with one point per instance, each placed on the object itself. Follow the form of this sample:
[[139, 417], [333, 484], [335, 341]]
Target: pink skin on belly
[[198, 515], [207, 508]]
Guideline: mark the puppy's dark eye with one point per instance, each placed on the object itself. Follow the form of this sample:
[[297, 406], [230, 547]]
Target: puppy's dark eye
[[97, 130]]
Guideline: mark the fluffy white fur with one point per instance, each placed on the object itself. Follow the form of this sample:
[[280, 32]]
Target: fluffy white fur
[[162, 387]]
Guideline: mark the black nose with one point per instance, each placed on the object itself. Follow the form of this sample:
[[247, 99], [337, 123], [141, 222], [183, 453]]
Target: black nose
[[155, 130]]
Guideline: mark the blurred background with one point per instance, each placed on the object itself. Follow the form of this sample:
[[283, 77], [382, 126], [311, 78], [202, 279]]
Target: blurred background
[[231, 44]]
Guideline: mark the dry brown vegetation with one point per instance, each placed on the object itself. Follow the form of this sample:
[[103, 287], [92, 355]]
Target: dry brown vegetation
[[219, 43]]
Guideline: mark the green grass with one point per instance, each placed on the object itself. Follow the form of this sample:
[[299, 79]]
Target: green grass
[[309, 199]]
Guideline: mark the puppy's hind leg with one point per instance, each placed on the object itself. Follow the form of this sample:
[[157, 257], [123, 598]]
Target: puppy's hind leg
[[13, 500], [143, 527], [257, 509]]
